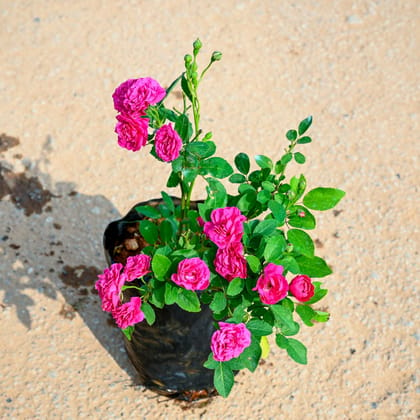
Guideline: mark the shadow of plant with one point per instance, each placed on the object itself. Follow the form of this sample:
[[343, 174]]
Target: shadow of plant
[[51, 245]]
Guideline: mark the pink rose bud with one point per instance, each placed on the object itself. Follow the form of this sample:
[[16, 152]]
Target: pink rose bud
[[272, 286], [192, 274], [229, 341], [230, 262], [128, 313], [226, 226], [109, 285], [132, 132], [135, 95], [168, 144], [200, 221], [301, 288], [137, 266]]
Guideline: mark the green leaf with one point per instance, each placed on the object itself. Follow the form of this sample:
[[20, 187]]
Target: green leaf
[[259, 327], [278, 210], [242, 163], [247, 201], [323, 198], [304, 140], [250, 357], [304, 125], [281, 341], [217, 167], [128, 332], [266, 227], [185, 87], [297, 351], [158, 295], [168, 201], [183, 127], [254, 263], [304, 221], [173, 180], [202, 149], [149, 231], [218, 303], [160, 266], [285, 159], [290, 264], [263, 196], [313, 266], [149, 313], [235, 287], [217, 195], [148, 211], [210, 363], [171, 293], [166, 231], [237, 179], [306, 313], [301, 241], [223, 379], [268, 186], [299, 158], [188, 300], [264, 162], [275, 245], [284, 319], [318, 293], [291, 135], [321, 316]]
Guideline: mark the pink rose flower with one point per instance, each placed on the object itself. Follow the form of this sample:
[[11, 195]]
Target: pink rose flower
[[132, 132], [192, 274], [301, 288], [128, 313], [109, 285], [135, 95], [230, 261], [229, 341], [272, 285], [137, 266], [226, 226], [167, 143]]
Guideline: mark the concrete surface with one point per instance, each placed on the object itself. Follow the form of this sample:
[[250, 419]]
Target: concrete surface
[[353, 65]]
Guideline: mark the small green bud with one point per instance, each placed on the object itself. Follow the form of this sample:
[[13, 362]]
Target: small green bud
[[216, 56], [208, 136], [187, 60], [197, 46]]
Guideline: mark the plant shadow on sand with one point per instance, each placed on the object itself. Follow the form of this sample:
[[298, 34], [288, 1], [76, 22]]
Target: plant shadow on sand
[[51, 243]]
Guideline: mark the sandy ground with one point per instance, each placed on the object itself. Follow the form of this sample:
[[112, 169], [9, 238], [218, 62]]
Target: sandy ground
[[353, 65]]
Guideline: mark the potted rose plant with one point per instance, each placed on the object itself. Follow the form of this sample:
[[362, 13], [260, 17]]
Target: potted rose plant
[[228, 270]]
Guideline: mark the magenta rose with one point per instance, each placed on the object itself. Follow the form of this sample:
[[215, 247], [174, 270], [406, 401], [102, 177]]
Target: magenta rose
[[301, 288], [132, 132], [272, 286], [226, 226], [128, 313], [109, 285], [135, 95], [229, 341], [137, 266], [192, 274], [230, 261], [167, 143]]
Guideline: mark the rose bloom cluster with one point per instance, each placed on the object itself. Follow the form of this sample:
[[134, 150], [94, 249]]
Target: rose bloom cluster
[[109, 286], [225, 230], [272, 286], [131, 100]]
